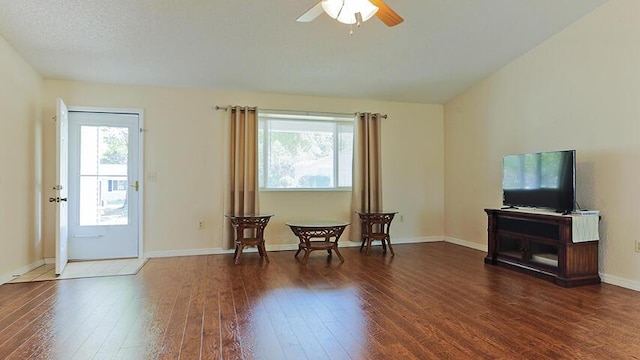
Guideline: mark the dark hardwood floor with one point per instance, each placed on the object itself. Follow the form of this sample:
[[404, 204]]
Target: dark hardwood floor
[[430, 301]]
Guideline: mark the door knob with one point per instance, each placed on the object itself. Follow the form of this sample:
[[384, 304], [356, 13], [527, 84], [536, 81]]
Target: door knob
[[63, 199]]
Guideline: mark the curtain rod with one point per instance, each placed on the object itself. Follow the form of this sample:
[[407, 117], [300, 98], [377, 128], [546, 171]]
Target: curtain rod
[[225, 108]]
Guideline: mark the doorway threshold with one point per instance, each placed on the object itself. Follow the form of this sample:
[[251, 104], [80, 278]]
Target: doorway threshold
[[83, 269]]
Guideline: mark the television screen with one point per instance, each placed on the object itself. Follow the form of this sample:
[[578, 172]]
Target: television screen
[[540, 180]]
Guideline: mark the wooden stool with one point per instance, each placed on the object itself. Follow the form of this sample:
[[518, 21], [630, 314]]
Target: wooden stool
[[256, 225], [375, 226]]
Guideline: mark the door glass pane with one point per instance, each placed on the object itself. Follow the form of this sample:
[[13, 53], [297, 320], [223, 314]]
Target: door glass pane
[[103, 175], [545, 254], [509, 246]]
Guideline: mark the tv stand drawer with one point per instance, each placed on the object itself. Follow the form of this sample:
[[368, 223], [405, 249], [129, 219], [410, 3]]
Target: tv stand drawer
[[528, 227]]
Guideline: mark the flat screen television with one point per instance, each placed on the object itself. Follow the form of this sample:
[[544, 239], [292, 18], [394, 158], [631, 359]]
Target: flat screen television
[[544, 180]]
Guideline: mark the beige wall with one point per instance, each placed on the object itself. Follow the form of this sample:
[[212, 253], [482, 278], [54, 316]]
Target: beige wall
[[183, 145], [578, 90], [20, 161]]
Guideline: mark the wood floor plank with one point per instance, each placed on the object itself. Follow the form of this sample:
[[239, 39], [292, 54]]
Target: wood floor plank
[[230, 335], [48, 328], [191, 343], [132, 308], [430, 301], [174, 334], [211, 329]]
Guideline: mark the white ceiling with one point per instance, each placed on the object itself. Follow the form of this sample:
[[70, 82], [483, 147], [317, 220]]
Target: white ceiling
[[443, 46]]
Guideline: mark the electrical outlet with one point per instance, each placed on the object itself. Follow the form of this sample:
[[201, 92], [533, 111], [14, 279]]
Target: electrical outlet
[[401, 218], [201, 224], [638, 246]]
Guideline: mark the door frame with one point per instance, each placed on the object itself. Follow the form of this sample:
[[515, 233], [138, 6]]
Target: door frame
[[141, 174]]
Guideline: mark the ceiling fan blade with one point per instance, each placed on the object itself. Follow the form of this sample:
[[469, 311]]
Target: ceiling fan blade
[[311, 14], [386, 14]]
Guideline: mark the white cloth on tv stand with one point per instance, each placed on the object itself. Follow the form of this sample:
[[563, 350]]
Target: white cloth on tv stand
[[585, 228]]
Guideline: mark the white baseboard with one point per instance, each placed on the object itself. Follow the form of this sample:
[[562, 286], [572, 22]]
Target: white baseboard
[[618, 281], [277, 247], [23, 270], [469, 244], [187, 252], [412, 240]]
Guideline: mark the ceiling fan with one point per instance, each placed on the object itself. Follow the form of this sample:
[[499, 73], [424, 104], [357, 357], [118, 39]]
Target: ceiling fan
[[353, 11]]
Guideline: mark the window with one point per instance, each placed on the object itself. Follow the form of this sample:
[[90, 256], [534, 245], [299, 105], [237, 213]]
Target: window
[[304, 151], [116, 185]]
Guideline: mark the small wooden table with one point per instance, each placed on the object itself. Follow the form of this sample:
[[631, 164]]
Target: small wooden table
[[325, 230], [375, 226], [256, 225]]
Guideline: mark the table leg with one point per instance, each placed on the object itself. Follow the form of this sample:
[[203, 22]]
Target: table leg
[[390, 248], [239, 254], [338, 253], [263, 251]]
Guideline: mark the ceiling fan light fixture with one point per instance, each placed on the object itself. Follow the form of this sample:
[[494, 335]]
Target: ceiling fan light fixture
[[332, 7], [345, 10]]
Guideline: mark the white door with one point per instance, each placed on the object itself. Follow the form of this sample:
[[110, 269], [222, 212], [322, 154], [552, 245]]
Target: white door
[[104, 183], [61, 187]]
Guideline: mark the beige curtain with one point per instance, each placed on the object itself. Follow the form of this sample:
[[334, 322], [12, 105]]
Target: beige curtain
[[366, 192], [241, 185]]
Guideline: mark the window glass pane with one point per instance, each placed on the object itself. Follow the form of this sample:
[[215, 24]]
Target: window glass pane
[[300, 157], [261, 154], [345, 155], [303, 153]]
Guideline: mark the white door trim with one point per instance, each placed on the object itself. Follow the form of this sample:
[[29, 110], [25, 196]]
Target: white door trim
[[141, 174], [61, 187]]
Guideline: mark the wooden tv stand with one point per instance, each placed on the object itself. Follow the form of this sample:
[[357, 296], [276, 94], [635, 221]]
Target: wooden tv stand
[[543, 244]]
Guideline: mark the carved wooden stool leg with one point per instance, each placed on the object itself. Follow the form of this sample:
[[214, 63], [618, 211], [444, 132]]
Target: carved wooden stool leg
[[263, 250], [390, 248], [241, 247], [235, 253], [338, 253]]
